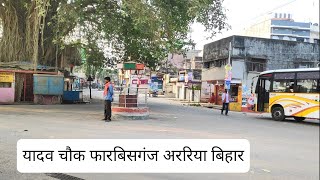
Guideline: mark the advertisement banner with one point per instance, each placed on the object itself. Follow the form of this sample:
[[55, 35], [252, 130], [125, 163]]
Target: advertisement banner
[[228, 75]]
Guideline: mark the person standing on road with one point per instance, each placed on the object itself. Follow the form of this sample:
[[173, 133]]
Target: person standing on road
[[108, 97], [225, 101]]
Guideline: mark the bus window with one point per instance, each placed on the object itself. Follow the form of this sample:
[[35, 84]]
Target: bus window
[[287, 76], [308, 75], [263, 85], [307, 86], [283, 86], [283, 82], [308, 82]]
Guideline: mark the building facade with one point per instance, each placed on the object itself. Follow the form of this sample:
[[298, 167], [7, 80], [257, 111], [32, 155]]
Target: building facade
[[249, 57], [281, 26], [187, 65]]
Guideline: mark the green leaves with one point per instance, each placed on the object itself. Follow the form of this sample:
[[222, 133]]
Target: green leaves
[[140, 30]]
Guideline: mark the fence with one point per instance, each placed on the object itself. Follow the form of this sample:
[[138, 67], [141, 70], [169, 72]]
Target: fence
[[130, 96]]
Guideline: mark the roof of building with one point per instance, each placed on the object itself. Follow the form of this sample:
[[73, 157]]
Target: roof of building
[[230, 38], [291, 70]]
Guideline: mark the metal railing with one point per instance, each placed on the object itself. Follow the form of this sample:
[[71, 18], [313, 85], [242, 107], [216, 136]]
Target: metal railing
[[130, 96]]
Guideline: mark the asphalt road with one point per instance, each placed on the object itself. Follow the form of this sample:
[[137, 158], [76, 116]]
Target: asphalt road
[[279, 150]]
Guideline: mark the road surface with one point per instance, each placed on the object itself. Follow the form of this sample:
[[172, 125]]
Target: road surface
[[279, 150]]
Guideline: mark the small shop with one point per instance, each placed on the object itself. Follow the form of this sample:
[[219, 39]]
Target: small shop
[[18, 85], [236, 96], [6, 87], [235, 91]]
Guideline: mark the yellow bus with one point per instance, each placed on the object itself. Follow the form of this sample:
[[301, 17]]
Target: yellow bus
[[289, 93]]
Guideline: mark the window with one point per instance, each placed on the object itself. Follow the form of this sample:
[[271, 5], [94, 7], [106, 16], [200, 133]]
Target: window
[[283, 82], [308, 82], [283, 85], [308, 75], [206, 65], [286, 38], [256, 65], [234, 90], [284, 76], [304, 65], [308, 86], [300, 39], [218, 63], [5, 85]]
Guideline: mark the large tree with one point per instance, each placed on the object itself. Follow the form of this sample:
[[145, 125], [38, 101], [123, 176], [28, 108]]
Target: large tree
[[139, 30]]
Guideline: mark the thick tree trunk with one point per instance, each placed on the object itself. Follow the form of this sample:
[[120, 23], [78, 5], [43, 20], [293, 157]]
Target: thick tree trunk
[[12, 43], [26, 35]]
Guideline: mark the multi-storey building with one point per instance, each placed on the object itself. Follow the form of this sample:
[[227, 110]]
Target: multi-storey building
[[249, 56], [282, 26]]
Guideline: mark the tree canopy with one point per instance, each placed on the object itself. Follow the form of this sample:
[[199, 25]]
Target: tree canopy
[[38, 31]]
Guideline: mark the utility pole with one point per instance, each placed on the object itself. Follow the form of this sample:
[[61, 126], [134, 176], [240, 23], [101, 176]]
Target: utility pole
[[229, 58]]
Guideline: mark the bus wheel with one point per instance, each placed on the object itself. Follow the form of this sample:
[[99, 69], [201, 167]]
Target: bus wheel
[[299, 119], [278, 114]]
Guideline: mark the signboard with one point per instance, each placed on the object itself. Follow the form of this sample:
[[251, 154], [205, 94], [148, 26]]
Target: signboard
[[119, 66], [227, 84], [129, 66], [134, 81], [139, 80], [139, 66], [6, 77], [144, 81]]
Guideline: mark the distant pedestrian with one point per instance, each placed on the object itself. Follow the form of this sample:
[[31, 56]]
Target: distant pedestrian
[[225, 101], [108, 98]]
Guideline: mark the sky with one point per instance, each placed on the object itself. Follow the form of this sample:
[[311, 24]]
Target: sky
[[242, 13]]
